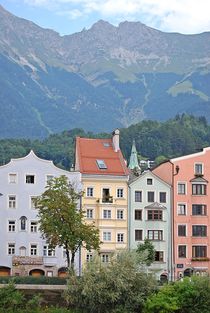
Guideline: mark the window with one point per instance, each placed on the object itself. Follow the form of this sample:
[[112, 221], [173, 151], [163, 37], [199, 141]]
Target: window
[[138, 234], [49, 273], [12, 178], [33, 249], [199, 251], [30, 179], [89, 213], [198, 169], [150, 196], [12, 202], [159, 256], [199, 231], [182, 230], [162, 197], [89, 257], [106, 198], [120, 237], [22, 251], [181, 188], [106, 236], [149, 181], [199, 209], [11, 248], [198, 189], [181, 209], [48, 251], [120, 193], [120, 214], [89, 191], [101, 164], [106, 213], [33, 198], [49, 177], [23, 220], [138, 196], [105, 258], [138, 214], [182, 251], [34, 227], [155, 234], [11, 226], [155, 215]]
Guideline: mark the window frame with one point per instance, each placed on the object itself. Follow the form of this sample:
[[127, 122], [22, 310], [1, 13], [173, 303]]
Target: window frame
[[178, 208], [183, 255], [135, 214], [30, 175], [90, 192], [165, 196], [199, 233], [138, 198], [149, 194], [182, 230], [137, 237], [12, 204], [157, 234], [107, 236], [179, 191]]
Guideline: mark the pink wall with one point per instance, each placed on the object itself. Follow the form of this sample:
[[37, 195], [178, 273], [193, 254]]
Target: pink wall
[[186, 173]]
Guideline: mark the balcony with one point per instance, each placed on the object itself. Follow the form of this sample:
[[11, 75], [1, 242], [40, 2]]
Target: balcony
[[107, 199]]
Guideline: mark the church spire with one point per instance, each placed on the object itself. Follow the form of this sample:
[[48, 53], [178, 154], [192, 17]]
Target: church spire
[[133, 163]]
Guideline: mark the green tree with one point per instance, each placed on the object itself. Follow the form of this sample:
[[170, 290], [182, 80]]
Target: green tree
[[118, 286], [61, 222], [146, 251], [188, 296]]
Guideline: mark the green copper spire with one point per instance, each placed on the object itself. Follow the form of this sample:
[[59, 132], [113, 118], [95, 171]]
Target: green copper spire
[[133, 163]]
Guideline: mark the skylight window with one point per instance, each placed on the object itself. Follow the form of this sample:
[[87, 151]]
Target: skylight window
[[101, 164]]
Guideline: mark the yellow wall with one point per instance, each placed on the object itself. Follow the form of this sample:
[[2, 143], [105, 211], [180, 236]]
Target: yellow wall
[[113, 224]]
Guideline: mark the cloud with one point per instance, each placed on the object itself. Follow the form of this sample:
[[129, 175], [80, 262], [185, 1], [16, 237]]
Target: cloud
[[186, 16]]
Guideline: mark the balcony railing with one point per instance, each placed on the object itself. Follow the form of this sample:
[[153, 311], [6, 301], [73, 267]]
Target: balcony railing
[[107, 199]]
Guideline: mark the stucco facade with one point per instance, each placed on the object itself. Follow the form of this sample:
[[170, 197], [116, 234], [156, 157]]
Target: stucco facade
[[190, 177], [23, 251], [150, 217]]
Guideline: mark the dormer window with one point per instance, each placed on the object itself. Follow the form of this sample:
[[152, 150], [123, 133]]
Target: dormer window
[[101, 164]]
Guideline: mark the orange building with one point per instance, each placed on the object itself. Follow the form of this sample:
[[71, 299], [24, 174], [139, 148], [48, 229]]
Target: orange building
[[190, 177], [104, 178]]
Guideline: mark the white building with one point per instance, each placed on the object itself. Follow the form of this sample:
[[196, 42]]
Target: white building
[[22, 250]]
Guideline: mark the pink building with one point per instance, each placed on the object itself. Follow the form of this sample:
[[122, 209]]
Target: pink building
[[190, 177]]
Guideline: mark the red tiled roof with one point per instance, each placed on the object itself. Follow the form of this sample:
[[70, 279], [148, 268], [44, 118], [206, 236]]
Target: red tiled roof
[[90, 150]]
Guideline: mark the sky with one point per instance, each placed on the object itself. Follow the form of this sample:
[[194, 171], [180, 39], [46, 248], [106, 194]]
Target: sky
[[71, 16]]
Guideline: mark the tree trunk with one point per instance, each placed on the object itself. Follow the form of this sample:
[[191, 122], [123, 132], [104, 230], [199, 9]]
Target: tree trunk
[[72, 260], [68, 258]]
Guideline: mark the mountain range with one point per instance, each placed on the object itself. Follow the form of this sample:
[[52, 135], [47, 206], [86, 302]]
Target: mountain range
[[97, 79]]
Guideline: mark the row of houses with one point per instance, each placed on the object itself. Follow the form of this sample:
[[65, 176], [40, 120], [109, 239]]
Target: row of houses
[[168, 205]]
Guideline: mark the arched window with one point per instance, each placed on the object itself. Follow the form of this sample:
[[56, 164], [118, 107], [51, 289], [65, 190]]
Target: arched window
[[22, 251], [23, 220]]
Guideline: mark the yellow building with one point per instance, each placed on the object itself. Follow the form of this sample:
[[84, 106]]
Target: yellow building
[[105, 200]]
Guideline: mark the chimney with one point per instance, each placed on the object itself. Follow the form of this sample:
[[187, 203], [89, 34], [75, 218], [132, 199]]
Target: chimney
[[116, 140]]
